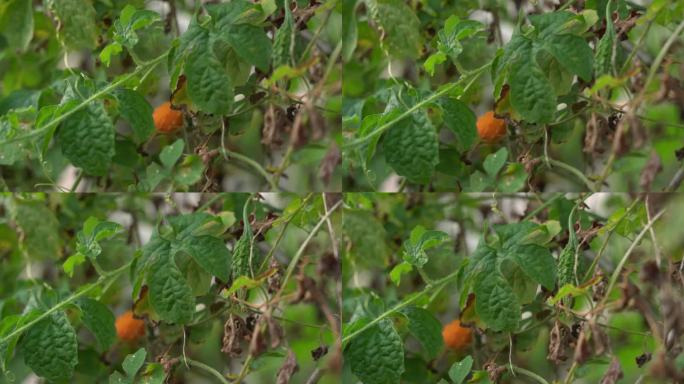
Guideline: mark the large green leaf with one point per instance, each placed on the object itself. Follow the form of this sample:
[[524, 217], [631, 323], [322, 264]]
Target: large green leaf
[[426, 328], [536, 262], [87, 139], [209, 85], [138, 112], [497, 294], [39, 229], [366, 237], [461, 121], [349, 28], [99, 320], [376, 356], [411, 147], [495, 302], [50, 348], [531, 93], [208, 251], [573, 53], [170, 295], [399, 26], [77, 23], [251, 44], [16, 23]]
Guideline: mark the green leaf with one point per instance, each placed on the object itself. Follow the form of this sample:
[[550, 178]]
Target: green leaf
[[495, 161], [426, 328], [433, 60], [94, 231], [133, 362], [573, 53], [244, 282], [170, 295], [421, 240], [208, 251], [171, 153], [50, 348], [209, 85], [531, 93], [131, 20], [479, 182], [99, 320], [567, 290], [87, 139], [225, 15], [12, 152], [137, 111], [460, 369], [495, 302], [251, 44], [349, 28], [189, 171], [513, 178], [39, 229], [112, 49], [498, 294], [366, 237], [376, 356], [549, 23], [77, 21], [411, 148], [537, 263], [399, 270], [16, 23], [461, 121], [72, 262], [399, 25]]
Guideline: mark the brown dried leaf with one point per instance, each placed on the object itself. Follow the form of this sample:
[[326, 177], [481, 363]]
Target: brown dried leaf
[[651, 169], [332, 159], [288, 369], [557, 343], [613, 374], [234, 331]]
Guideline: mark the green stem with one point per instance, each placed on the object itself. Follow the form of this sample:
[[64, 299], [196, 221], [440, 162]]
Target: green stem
[[267, 259], [475, 75], [76, 182], [616, 274], [572, 170], [244, 370], [529, 374], [207, 368], [542, 207], [661, 55], [257, 167], [590, 270], [302, 247], [53, 123], [210, 202]]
